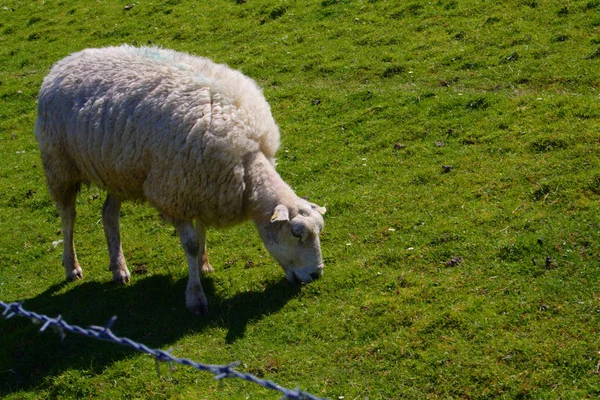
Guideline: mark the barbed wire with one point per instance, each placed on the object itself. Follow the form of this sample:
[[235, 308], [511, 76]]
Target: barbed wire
[[105, 334]]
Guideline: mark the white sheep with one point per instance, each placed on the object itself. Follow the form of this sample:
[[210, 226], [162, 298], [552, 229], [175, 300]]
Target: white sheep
[[193, 138]]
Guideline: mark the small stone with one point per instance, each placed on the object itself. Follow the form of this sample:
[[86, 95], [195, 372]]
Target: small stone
[[439, 144], [454, 261], [447, 168], [399, 146], [229, 263], [140, 270]]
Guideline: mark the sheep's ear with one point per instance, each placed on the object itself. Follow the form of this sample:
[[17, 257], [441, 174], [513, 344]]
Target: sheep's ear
[[281, 213], [320, 209]]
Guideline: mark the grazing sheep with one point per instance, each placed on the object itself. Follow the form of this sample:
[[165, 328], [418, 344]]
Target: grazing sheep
[[193, 138]]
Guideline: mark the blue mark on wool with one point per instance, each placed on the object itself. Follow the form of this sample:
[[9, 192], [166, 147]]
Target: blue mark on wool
[[154, 54], [175, 60]]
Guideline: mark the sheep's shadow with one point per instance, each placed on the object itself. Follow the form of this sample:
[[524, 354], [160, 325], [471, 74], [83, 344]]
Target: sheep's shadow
[[150, 311]]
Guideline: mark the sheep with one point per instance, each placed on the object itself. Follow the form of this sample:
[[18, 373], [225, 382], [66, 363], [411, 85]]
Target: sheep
[[194, 139]]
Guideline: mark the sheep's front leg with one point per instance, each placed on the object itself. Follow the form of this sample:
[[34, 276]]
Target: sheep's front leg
[[205, 266], [195, 299], [110, 220]]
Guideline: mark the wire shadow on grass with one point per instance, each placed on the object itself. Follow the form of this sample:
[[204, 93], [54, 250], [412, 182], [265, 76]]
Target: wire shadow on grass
[[151, 310]]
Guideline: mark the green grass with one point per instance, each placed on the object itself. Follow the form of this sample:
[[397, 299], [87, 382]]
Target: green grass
[[373, 97]]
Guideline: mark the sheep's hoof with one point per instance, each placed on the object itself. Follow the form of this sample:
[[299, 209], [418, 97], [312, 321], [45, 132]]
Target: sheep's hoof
[[120, 276], [200, 311], [198, 305], [207, 268], [75, 274]]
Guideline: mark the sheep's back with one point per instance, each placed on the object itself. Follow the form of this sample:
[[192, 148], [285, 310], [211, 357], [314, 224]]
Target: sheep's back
[[157, 124]]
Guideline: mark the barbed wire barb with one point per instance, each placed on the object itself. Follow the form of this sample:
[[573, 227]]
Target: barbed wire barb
[[226, 371], [105, 333], [171, 365], [157, 366]]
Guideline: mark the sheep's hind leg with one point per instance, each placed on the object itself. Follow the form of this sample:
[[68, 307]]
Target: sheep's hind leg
[[110, 220], [195, 299], [67, 215], [204, 265]]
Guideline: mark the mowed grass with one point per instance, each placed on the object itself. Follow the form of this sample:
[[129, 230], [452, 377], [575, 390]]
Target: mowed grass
[[455, 146]]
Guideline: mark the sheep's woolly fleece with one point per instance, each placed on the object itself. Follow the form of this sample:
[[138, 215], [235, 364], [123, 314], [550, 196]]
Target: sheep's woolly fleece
[[155, 124]]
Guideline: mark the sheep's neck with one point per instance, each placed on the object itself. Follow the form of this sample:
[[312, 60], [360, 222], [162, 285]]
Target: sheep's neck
[[264, 189]]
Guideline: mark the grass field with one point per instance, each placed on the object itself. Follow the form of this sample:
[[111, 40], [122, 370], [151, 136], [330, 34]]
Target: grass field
[[455, 144]]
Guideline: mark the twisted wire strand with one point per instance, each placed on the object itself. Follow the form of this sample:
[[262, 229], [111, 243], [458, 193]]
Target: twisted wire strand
[[104, 333]]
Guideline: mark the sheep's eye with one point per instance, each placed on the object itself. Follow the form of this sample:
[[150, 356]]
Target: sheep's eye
[[297, 230]]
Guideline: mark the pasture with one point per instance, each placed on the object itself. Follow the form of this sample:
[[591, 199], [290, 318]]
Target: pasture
[[455, 144]]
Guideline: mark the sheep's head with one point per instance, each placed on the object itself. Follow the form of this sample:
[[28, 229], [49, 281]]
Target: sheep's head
[[292, 238]]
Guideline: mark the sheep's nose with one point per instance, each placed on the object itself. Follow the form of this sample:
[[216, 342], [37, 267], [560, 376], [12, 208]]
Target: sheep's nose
[[316, 275]]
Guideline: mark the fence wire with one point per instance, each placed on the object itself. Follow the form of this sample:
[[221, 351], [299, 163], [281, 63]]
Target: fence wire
[[104, 333]]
